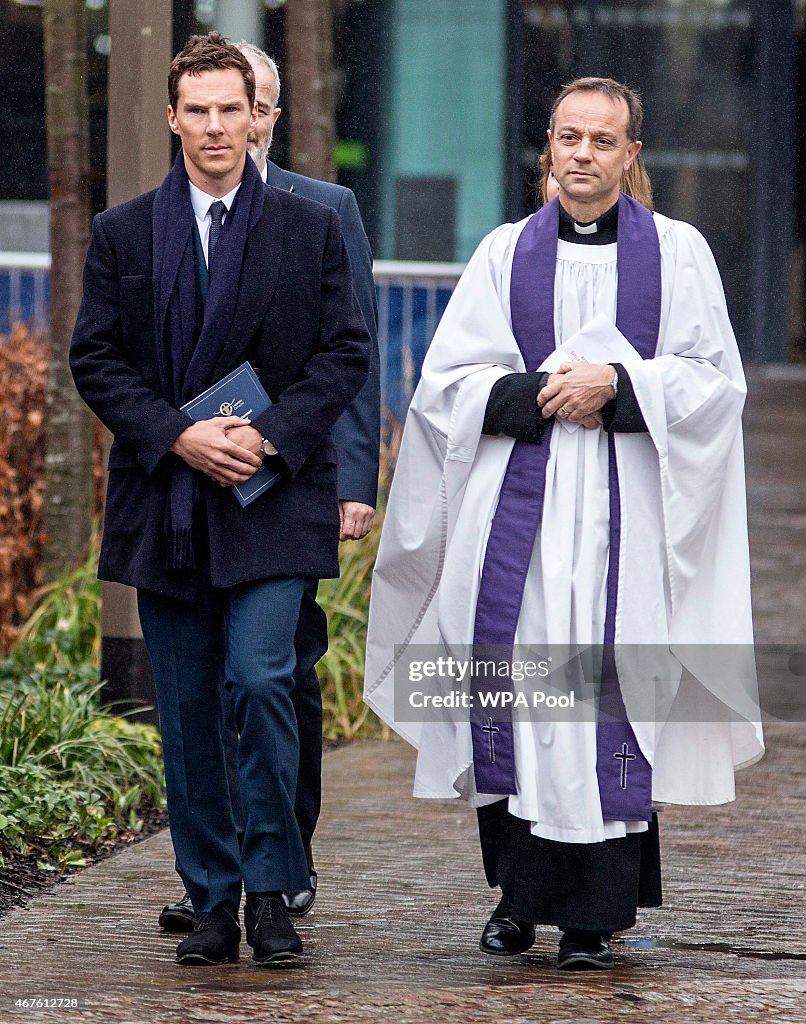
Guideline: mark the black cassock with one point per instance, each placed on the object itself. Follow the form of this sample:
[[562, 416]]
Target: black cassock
[[592, 887]]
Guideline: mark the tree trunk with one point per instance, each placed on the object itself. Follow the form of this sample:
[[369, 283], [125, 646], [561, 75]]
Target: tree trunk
[[309, 43], [70, 430]]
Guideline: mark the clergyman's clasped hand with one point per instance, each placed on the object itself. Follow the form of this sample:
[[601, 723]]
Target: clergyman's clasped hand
[[578, 392]]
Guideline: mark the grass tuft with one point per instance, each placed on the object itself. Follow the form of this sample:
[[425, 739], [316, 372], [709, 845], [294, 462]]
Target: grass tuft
[[346, 604]]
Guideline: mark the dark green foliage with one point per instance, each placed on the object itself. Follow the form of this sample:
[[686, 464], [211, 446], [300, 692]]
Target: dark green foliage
[[69, 770]]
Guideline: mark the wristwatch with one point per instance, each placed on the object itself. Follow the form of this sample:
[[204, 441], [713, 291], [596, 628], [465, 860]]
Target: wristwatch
[[268, 448]]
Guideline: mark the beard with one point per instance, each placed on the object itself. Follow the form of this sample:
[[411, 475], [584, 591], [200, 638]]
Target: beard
[[259, 152]]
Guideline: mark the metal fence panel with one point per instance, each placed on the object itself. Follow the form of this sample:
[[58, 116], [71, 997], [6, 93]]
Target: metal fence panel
[[411, 300], [24, 290]]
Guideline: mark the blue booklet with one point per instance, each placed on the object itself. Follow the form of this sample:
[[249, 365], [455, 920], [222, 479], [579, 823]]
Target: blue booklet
[[240, 393]]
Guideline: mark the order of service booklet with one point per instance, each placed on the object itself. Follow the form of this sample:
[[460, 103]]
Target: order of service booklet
[[240, 393]]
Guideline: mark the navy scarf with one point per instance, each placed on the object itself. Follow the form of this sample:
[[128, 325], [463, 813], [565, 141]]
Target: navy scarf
[[186, 365]]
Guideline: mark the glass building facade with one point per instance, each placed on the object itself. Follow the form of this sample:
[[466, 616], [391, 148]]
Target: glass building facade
[[442, 107]]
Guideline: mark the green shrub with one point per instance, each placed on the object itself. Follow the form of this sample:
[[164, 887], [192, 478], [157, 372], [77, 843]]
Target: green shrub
[[65, 626], [69, 769]]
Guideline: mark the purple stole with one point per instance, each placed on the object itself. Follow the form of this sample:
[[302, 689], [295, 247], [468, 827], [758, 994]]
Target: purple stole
[[624, 774]]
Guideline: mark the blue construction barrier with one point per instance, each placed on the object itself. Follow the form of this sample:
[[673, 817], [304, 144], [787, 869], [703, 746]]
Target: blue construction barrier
[[24, 297]]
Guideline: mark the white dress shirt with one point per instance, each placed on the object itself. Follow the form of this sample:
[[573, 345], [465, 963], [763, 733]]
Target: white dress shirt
[[201, 202]]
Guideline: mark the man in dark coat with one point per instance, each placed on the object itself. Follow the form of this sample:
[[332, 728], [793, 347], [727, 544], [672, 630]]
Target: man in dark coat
[[356, 436], [182, 285]]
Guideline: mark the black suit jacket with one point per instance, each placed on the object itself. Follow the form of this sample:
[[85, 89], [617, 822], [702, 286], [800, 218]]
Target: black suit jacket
[[297, 321], [357, 431]]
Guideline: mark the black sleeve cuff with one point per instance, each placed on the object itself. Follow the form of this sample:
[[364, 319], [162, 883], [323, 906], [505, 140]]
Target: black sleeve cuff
[[512, 407], [623, 414]]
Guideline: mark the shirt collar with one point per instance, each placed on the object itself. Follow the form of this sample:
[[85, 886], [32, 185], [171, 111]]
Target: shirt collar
[[264, 174], [602, 231], [201, 201]]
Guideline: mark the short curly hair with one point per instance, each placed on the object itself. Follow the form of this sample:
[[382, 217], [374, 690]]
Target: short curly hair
[[212, 52]]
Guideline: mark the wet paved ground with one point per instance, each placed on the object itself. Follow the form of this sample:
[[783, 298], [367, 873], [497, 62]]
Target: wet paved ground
[[394, 932]]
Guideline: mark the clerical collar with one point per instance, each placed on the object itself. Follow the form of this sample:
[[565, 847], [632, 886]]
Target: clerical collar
[[601, 231]]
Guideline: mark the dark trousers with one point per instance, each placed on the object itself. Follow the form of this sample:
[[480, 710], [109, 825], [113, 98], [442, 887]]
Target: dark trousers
[[310, 643], [244, 636]]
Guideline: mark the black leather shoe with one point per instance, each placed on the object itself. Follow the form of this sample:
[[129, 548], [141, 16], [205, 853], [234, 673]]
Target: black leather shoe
[[299, 902], [179, 916], [215, 940], [584, 951], [269, 931], [505, 935]]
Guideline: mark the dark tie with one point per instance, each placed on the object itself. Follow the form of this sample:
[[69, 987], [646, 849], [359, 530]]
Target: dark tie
[[217, 211]]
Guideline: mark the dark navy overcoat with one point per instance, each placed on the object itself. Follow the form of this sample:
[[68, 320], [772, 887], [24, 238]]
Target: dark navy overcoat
[[297, 321]]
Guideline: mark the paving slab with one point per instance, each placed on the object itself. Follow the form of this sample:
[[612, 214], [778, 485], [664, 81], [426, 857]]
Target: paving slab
[[394, 932]]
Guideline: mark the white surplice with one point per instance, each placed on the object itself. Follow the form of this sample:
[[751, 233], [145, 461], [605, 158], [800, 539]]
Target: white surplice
[[684, 579]]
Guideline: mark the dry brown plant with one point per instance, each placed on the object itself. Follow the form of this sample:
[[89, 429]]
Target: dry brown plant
[[23, 376]]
